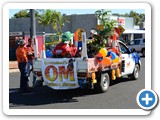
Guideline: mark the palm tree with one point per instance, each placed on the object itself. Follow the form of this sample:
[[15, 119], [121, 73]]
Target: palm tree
[[53, 19], [46, 19]]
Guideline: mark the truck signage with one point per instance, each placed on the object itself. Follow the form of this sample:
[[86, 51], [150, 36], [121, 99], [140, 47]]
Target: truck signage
[[60, 74]]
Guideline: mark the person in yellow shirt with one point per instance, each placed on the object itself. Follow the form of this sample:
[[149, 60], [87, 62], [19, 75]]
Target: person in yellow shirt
[[21, 54]]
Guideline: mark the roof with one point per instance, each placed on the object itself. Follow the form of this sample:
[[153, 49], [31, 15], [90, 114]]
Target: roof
[[134, 31]]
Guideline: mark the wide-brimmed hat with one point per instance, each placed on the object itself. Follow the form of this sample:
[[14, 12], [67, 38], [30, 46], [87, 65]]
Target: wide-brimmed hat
[[93, 31], [66, 36], [22, 42]]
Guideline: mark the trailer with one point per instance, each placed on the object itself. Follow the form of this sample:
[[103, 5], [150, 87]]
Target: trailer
[[84, 72]]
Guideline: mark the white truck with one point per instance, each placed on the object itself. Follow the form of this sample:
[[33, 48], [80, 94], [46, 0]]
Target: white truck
[[84, 72]]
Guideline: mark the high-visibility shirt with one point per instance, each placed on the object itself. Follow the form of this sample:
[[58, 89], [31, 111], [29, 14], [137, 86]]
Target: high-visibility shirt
[[21, 53], [30, 49]]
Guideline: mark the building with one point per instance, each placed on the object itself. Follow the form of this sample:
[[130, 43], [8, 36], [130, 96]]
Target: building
[[85, 21], [131, 31]]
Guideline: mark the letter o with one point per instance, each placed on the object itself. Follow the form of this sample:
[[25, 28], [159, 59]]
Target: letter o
[[47, 73]]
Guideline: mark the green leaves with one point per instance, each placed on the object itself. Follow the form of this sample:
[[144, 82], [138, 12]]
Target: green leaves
[[24, 14], [105, 33], [54, 20]]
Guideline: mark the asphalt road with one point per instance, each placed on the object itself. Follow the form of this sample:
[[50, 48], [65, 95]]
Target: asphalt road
[[121, 95]]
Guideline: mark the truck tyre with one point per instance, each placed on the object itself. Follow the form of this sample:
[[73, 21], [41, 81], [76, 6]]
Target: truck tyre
[[143, 52], [135, 73], [104, 83]]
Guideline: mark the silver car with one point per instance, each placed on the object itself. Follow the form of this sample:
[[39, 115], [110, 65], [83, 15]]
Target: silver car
[[138, 45]]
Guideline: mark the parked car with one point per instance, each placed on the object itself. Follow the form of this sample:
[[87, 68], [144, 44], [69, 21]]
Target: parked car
[[138, 45]]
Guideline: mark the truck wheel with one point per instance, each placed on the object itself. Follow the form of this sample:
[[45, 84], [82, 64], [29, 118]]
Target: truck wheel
[[135, 73], [104, 83], [143, 52]]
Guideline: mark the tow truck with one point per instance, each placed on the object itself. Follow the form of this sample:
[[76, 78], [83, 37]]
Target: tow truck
[[85, 72]]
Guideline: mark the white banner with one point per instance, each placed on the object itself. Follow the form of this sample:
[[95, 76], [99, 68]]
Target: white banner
[[60, 73]]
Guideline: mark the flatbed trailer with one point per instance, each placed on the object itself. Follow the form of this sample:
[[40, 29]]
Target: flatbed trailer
[[84, 72]]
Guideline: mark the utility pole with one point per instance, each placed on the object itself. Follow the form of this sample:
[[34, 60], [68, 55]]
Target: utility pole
[[32, 24], [33, 32]]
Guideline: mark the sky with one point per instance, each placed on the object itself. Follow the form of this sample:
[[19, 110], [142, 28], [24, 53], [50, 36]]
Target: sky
[[82, 11]]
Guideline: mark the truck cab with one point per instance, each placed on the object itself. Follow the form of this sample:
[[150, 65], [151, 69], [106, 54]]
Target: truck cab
[[130, 60]]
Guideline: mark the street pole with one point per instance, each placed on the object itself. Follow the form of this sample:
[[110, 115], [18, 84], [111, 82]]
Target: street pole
[[33, 32], [32, 24]]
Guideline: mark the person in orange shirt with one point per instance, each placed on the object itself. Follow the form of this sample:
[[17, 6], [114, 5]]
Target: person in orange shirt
[[21, 54], [30, 56]]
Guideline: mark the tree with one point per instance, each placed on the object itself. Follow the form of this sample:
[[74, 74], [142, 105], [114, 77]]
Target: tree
[[59, 21], [126, 15], [105, 33], [142, 17], [135, 16], [21, 14], [45, 19], [54, 20], [24, 14]]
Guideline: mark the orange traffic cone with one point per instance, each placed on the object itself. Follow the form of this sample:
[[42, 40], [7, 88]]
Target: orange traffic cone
[[43, 54]]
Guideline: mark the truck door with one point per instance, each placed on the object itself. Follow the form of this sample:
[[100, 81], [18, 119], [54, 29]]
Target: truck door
[[128, 62]]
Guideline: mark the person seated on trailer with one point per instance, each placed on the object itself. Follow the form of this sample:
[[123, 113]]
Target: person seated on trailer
[[90, 51], [92, 33]]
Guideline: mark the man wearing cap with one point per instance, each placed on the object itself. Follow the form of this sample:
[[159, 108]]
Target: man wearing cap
[[21, 54], [92, 33]]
